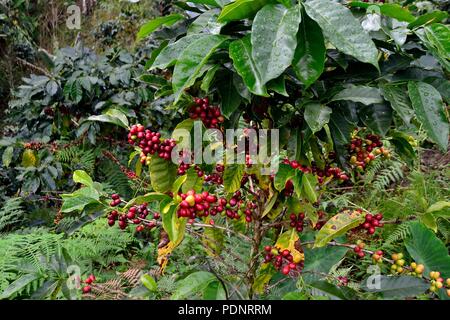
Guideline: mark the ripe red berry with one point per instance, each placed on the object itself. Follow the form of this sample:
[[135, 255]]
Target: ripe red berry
[[86, 289], [286, 270]]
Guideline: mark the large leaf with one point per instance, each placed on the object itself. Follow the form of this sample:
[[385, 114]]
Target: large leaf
[[309, 57], [172, 224], [206, 23], [149, 197], [7, 156], [18, 285], [80, 176], [169, 55], [274, 39], [241, 9], [392, 10], [154, 24], [230, 99], [427, 18], [399, 100], [316, 115], [309, 182], [429, 108], [363, 94], [79, 199], [241, 54], [338, 225], [113, 116], [377, 117], [439, 37], [425, 248], [192, 60], [285, 173], [232, 177], [193, 284], [161, 175], [397, 287], [343, 30], [333, 291]]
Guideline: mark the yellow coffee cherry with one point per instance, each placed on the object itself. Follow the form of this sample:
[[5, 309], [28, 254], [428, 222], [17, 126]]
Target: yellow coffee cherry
[[395, 257], [439, 284], [399, 269], [394, 267], [420, 268], [400, 262], [413, 265], [433, 289], [448, 292], [447, 282]]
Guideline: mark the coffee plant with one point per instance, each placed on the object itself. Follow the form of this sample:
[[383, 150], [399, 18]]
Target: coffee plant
[[265, 149]]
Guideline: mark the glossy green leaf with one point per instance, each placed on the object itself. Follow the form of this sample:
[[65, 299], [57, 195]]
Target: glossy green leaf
[[79, 199], [363, 94], [241, 54], [193, 284], [230, 99], [398, 98], [161, 175], [377, 117], [439, 206], [149, 197], [193, 181], [112, 116], [170, 54], [206, 23], [309, 57], [148, 281], [154, 24], [7, 156], [316, 115], [214, 291], [285, 173], [80, 176], [278, 85], [274, 39], [18, 285], [429, 220], [429, 108], [241, 9], [232, 177], [338, 225], [192, 60], [172, 224], [309, 182], [427, 18], [343, 30]]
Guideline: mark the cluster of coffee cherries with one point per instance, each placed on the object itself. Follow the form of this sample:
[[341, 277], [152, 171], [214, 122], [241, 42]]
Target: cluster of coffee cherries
[[135, 215], [150, 143], [371, 222], [216, 177], [283, 260], [359, 248], [202, 204], [115, 200], [328, 171], [399, 263], [210, 116], [89, 280], [437, 282], [297, 221], [184, 167], [322, 219], [377, 256], [364, 150]]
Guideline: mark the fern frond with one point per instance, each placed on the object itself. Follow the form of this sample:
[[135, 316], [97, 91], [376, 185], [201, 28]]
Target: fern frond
[[392, 173], [11, 213], [401, 232]]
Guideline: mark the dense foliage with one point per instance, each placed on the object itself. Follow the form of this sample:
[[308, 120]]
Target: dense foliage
[[357, 206]]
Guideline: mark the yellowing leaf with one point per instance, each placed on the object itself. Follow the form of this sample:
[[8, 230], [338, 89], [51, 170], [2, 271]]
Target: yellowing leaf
[[287, 240], [29, 158], [338, 225]]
